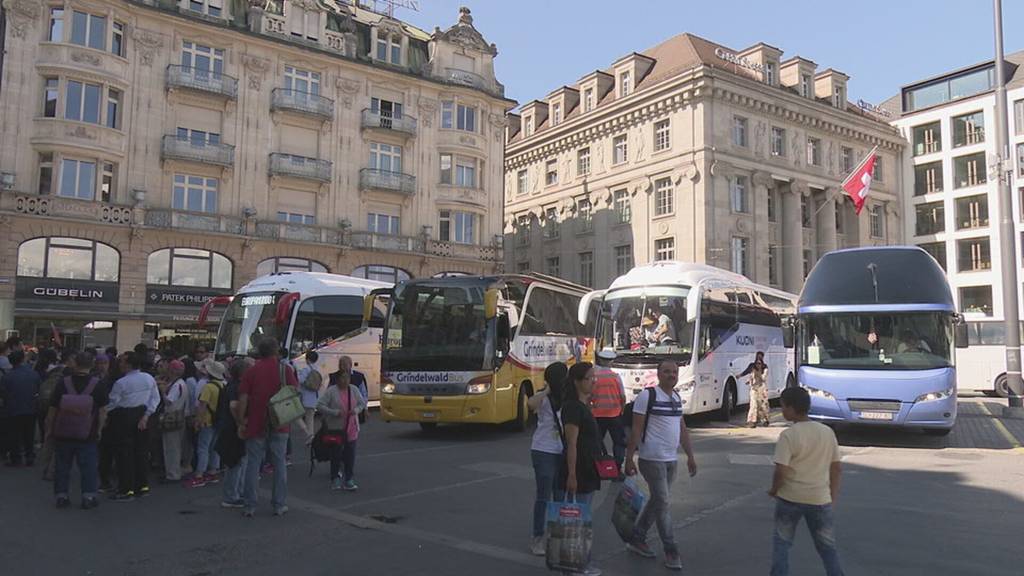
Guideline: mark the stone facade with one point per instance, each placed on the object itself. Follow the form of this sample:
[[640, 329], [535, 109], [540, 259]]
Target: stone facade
[[295, 129], [718, 157]]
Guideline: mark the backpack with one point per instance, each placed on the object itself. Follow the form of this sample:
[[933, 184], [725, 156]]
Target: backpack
[[313, 381], [74, 414], [46, 388]]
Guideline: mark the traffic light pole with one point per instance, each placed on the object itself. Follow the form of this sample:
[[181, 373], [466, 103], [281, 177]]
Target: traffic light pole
[[1007, 234]]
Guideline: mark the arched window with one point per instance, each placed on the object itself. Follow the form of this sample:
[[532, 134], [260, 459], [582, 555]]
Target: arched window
[[73, 258], [189, 267], [381, 273], [286, 264]]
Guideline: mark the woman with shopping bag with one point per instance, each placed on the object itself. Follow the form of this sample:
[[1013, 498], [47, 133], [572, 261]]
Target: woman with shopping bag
[[340, 406], [571, 532], [546, 450]]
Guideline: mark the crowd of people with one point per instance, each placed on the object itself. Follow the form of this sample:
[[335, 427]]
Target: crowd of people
[[578, 406], [119, 417]]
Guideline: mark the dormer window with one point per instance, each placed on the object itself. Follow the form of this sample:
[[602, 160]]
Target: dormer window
[[528, 127], [389, 48], [556, 113], [625, 84], [769, 73], [588, 99], [838, 97], [805, 85], [303, 23], [213, 8]]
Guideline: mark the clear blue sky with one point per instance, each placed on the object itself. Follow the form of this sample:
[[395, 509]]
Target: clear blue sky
[[880, 44]]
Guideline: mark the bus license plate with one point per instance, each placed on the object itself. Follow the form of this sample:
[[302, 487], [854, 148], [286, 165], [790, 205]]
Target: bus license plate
[[876, 415], [429, 414]]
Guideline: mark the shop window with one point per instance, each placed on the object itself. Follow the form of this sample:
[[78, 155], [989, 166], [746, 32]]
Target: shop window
[[71, 258], [381, 273], [189, 267], [286, 264]]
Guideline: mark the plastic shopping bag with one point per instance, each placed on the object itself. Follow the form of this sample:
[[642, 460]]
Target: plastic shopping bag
[[570, 534], [628, 505]]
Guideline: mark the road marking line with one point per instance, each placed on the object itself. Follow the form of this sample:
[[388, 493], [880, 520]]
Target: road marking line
[[425, 491], [1014, 443]]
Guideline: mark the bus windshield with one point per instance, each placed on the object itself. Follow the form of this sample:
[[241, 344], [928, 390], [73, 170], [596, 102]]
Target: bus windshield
[[644, 322], [438, 325], [248, 319], [877, 341]]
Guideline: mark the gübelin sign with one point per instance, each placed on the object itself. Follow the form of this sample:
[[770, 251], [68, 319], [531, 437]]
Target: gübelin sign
[[60, 290]]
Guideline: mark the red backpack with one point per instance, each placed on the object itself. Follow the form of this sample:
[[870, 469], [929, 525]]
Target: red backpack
[[74, 414]]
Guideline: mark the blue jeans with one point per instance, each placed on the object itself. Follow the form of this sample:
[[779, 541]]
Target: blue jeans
[[234, 481], [545, 471], [207, 459], [255, 448], [821, 526], [87, 456]]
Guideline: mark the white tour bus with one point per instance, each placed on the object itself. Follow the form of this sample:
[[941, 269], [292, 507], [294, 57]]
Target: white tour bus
[[710, 321], [982, 365], [305, 311]]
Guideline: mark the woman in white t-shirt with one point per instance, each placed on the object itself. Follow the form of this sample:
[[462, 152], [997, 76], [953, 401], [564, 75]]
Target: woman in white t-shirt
[[546, 449]]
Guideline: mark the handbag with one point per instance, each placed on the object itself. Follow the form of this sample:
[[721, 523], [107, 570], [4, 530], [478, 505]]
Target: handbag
[[570, 536], [607, 468], [628, 505], [170, 420], [285, 406]]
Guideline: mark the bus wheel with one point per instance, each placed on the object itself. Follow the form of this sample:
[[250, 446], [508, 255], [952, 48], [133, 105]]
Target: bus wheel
[[1002, 386], [428, 426], [522, 410], [728, 401]]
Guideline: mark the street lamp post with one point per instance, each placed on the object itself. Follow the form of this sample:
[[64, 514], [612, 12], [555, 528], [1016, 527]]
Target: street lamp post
[[1007, 235]]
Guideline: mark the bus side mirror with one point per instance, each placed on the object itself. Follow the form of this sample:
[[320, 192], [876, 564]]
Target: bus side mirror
[[788, 334], [960, 335], [504, 335]]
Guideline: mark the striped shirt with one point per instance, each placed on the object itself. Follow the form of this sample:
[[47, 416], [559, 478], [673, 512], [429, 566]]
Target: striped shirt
[[662, 443], [135, 389]]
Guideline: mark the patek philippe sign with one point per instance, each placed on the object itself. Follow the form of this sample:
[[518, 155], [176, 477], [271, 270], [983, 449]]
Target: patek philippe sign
[[179, 296], [739, 61], [59, 290]]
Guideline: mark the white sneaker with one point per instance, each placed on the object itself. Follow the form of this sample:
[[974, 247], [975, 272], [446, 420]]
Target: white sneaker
[[537, 546]]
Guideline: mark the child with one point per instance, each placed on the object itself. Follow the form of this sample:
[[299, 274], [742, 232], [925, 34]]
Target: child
[[805, 484]]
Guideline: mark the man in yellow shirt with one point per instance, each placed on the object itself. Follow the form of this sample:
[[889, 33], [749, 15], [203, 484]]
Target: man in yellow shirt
[[805, 484]]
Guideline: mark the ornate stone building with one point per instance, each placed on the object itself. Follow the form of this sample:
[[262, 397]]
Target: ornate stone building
[[156, 152], [693, 151]]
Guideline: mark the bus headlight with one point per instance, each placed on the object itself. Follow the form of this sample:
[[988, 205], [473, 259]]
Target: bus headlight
[[479, 385], [814, 392], [932, 396], [387, 388], [685, 386]]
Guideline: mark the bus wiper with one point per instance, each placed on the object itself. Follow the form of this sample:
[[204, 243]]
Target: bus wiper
[[873, 268]]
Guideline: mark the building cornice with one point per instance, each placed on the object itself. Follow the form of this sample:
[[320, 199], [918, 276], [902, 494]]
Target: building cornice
[[699, 84]]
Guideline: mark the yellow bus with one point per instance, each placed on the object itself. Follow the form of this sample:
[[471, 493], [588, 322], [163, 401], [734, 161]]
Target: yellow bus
[[474, 348]]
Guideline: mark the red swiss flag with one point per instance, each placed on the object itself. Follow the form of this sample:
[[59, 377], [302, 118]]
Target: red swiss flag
[[858, 182]]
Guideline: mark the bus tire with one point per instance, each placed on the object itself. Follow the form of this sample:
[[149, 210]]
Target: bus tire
[[938, 431], [522, 411], [728, 402], [428, 426], [1002, 386], [790, 381]]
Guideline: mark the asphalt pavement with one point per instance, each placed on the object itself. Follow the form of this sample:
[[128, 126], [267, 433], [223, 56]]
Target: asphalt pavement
[[459, 500]]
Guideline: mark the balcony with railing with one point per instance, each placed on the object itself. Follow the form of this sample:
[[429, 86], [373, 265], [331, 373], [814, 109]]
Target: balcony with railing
[[189, 150], [472, 80], [374, 179], [206, 222], [300, 167], [387, 242], [202, 80], [63, 207], [376, 120], [277, 230], [486, 253], [300, 102]]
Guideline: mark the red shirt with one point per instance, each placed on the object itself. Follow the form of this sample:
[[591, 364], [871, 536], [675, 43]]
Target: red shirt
[[260, 383]]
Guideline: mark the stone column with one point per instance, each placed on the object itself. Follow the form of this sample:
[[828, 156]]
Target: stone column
[[760, 234], [792, 237], [828, 239], [129, 333]]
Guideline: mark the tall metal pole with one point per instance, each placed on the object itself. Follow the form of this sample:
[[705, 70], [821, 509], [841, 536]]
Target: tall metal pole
[[1007, 234]]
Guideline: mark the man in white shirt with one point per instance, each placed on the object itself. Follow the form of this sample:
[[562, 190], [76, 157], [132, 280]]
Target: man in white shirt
[[659, 429], [133, 399]]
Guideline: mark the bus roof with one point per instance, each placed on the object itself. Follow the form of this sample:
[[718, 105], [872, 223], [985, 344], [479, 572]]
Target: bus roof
[[673, 272], [312, 284], [528, 278], [907, 278]]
